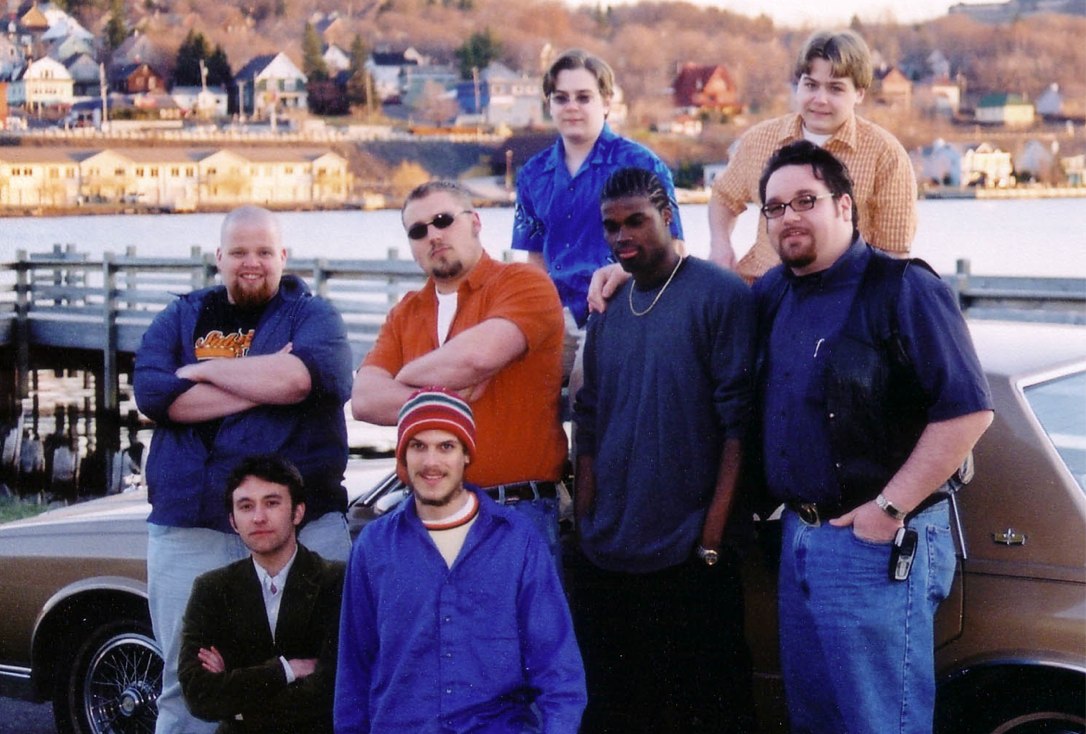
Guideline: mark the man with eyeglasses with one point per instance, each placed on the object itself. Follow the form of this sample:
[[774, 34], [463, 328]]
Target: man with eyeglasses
[[832, 72], [557, 218], [490, 331], [870, 396]]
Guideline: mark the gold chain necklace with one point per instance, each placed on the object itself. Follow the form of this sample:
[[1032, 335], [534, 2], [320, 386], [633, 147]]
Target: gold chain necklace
[[634, 311]]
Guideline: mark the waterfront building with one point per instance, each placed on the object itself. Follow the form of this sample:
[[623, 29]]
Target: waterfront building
[[175, 178], [32, 177], [987, 166], [939, 164]]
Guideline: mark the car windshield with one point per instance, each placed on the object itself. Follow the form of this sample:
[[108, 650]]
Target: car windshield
[[1058, 406]]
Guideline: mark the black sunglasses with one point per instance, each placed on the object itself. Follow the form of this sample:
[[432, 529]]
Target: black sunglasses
[[418, 230]]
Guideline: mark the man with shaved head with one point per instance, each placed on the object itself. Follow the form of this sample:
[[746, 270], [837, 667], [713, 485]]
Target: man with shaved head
[[256, 365]]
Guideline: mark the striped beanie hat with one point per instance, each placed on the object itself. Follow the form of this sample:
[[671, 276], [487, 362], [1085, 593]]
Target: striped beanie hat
[[434, 408]]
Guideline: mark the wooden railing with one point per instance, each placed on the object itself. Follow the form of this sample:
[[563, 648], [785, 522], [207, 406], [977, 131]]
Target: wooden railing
[[67, 300], [64, 309]]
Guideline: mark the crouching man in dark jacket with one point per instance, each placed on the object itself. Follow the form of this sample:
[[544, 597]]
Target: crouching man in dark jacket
[[258, 641]]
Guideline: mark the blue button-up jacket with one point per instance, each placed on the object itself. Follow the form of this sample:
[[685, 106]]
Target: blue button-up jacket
[[428, 648]]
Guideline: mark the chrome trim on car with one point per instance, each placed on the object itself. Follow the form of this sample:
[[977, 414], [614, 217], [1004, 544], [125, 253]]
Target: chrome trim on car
[[1026, 661], [14, 671], [119, 584]]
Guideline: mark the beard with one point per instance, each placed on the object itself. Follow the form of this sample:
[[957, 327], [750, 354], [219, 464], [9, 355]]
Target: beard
[[446, 270], [798, 258], [249, 298], [797, 250]]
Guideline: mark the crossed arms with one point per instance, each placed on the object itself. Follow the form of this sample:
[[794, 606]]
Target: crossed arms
[[465, 363], [228, 386]]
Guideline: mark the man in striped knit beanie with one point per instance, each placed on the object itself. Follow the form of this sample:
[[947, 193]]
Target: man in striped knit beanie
[[453, 612]]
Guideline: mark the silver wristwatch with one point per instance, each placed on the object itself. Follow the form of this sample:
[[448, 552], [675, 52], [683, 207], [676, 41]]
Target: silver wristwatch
[[886, 506], [708, 555]]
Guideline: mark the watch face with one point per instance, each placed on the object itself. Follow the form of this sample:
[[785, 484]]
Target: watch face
[[710, 557]]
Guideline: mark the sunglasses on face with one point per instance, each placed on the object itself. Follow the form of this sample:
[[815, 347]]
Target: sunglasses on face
[[418, 230]]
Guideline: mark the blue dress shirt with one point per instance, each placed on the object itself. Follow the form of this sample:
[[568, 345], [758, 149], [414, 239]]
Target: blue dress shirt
[[559, 215], [485, 646]]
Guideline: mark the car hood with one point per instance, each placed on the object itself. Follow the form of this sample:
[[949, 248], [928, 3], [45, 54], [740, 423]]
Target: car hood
[[127, 512]]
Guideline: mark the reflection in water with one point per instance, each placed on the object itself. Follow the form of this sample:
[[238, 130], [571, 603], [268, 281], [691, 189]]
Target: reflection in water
[[50, 450]]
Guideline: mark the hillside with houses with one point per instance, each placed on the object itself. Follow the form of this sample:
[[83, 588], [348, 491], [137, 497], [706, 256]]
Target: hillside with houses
[[990, 95]]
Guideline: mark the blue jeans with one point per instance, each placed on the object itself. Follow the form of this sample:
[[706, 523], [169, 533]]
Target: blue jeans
[[543, 513], [857, 649], [175, 557]]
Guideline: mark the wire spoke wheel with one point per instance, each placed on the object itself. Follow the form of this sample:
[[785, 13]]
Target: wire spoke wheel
[[115, 683]]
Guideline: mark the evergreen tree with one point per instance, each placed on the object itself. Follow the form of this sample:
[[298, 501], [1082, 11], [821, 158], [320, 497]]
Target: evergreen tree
[[357, 84], [116, 28], [192, 51], [313, 65], [218, 69], [477, 52]]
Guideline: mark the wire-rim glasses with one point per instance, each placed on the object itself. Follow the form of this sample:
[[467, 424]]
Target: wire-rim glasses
[[802, 203]]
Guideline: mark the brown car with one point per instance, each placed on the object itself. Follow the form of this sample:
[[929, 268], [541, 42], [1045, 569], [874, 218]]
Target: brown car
[[74, 625]]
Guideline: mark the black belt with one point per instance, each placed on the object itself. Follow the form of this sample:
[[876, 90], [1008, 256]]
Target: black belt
[[508, 493], [815, 513]]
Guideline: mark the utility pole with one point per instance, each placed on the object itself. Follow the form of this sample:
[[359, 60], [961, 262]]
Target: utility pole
[[478, 101], [103, 90]]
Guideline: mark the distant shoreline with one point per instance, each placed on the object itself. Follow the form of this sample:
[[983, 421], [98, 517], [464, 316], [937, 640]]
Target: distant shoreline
[[685, 196], [1019, 192]]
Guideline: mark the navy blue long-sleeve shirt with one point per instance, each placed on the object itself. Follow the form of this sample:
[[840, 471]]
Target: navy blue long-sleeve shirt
[[662, 392]]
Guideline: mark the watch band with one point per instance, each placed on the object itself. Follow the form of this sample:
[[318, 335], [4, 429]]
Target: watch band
[[886, 506]]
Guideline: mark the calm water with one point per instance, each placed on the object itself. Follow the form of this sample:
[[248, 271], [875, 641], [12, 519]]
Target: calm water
[[1043, 237]]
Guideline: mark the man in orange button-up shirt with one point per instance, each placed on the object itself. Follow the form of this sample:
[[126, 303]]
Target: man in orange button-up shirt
[[488, 330]]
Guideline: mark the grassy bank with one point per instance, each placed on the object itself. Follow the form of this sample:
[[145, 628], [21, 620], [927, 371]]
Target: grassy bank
[[16, 509]]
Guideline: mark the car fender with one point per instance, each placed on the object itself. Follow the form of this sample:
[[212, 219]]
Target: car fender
[[81, 605]]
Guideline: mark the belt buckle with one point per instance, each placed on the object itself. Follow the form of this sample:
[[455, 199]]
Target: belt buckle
[[808, 513]]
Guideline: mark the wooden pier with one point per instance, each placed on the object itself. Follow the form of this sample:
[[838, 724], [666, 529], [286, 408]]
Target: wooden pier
[[64, 310]]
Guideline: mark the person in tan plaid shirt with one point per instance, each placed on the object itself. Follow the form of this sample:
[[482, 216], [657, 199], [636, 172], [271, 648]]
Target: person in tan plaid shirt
[[833, 71]]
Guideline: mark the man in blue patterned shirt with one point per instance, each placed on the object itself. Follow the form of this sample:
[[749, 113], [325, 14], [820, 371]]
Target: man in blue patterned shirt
[[557, 216]]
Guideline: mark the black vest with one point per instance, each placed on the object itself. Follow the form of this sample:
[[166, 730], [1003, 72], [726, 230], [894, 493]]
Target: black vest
[[875, 409]]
